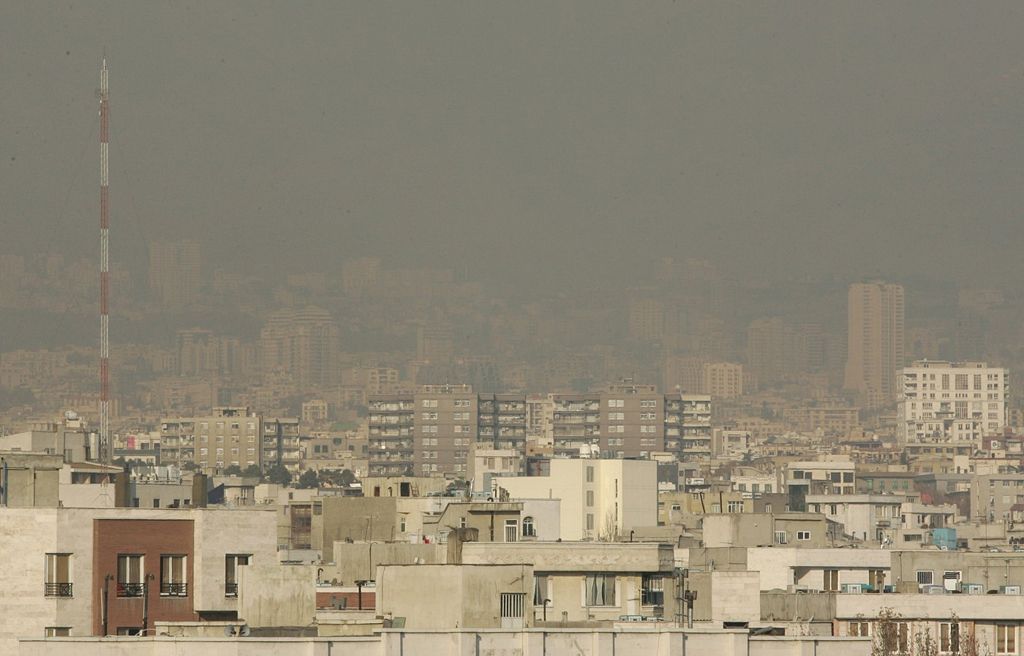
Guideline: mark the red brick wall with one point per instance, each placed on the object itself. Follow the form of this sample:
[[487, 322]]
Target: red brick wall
[[326, 599], [152, 538]]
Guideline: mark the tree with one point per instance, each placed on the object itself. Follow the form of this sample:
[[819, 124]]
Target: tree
[[252, 471], [279, 474], [887, 633], [232, 470], [309, 479], [336, 477]]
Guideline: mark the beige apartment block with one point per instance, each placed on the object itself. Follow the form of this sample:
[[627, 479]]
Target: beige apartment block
[[959, 401]]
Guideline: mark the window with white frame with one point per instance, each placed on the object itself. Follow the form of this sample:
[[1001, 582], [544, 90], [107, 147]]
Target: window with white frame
[[130, 573], [173, 575], [600, 589]]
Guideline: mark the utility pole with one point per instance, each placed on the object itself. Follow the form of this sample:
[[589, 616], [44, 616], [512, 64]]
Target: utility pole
[[105, 445]]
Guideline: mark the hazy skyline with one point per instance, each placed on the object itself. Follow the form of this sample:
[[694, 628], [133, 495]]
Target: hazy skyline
[[525, 140]]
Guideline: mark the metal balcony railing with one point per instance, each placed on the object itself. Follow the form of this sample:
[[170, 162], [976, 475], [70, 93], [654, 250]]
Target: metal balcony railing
[[131, 589], [57, 589], [174, 589]]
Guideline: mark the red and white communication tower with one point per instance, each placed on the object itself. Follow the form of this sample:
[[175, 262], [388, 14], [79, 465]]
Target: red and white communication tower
[[106, 447]]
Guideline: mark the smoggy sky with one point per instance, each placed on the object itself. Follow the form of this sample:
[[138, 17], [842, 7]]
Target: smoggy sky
[[525, 140]]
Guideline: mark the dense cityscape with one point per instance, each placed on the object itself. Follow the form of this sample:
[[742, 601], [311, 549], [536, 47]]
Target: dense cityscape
[[517, 419]]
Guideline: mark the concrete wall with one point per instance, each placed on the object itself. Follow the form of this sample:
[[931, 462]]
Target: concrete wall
[[574, 556], [547, 517], [24, 612], [535, 642], [219, 532], [726, 597], [451, 596], [359, 560], [359, 518], [277, 595]]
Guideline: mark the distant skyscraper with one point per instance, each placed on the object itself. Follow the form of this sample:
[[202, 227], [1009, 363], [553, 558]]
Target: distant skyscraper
[[174, 272], [766, 350], [303, 343], [646, 319], [874, 353]]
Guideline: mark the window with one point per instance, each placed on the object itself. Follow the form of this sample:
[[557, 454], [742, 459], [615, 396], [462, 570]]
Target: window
[[540, 589], [231, 563], [130, 630], [57, 632], [513, 608], [58, 575], [529, 531], [130, 574], [173, 581], [590, 474], [735, 506], [780, 537], [600, 590], [590, 521], [949, 638], [903, 637], [803, 536], [830, 580], [652, 590], [858, 630], [924, 577], [1006, 639], [511, 530], [590, 498], [429, 403]]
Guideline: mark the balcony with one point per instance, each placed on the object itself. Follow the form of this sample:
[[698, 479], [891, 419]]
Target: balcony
[[57, 589], [174, 589], [230, 589], [131, 589]]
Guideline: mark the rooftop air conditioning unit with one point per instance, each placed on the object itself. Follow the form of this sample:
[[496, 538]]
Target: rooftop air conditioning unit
[[852, 588], [1009, 589]]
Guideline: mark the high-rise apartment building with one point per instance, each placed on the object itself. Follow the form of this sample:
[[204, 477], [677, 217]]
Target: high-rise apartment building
[[688, 430], [391, 443], [429, 432], [874, 353], [961, 401], [175, 272], [302, 343], [502, 421], [722, 380], [623, 421], [228, 436]]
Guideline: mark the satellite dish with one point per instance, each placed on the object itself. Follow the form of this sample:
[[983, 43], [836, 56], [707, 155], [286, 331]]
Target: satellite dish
[[229, 631], [244, 630]]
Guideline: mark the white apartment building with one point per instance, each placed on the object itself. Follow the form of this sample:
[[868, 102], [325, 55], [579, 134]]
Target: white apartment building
[[601, 499], [952, 400]]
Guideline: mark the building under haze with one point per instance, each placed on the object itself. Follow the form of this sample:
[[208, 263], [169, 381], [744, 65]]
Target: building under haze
[[874, 341], [303, 344], [175, 268], [963, 401]]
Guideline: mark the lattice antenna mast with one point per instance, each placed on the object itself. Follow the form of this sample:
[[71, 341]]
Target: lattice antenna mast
[[106, 447]]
